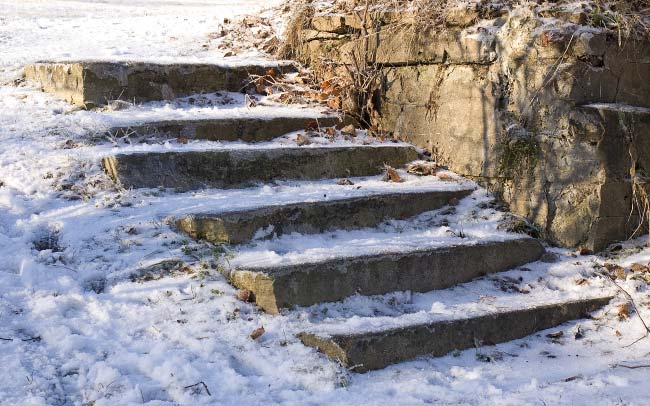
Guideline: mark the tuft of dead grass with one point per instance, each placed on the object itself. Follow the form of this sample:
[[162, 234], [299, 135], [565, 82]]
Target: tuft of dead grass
[[291, 47]]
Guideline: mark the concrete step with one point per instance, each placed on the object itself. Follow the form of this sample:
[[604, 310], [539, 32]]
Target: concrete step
[[305, 284], [227, 168], [376, 349], [236, 227], [248, 129], [95, 83]]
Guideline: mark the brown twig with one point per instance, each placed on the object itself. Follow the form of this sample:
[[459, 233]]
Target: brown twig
[[630, 366], [200, 383]]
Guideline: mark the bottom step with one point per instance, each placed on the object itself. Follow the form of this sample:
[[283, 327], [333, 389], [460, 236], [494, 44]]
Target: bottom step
[[377, 349]]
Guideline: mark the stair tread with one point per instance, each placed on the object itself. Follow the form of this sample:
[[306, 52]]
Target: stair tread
[[94, 83], [164, 113], [443, 309], [312, 278], [233, 62], [294, 192], [377, 348], [241, 165], [434, 187], [243, 148], [369, 244], [368, 329], [430, 230]]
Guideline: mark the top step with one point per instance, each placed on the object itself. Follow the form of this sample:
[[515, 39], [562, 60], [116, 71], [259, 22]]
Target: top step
[[95, 83]]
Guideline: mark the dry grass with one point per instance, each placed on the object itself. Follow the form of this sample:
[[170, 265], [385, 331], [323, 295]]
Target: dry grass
[[291, 46]]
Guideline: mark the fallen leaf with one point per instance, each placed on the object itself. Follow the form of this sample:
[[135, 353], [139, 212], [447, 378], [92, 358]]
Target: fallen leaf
[[624, 311], [257, 333], [334, 103], [582, 281], [331, 131], [445, 177], [182, 140], [555, 335], [302, 139], [345, 182], [585, 251], [349, 130], [639, 268], [244, 295], [422, 168], [392, 175], [618, 333], [616, 270], [312, 125]]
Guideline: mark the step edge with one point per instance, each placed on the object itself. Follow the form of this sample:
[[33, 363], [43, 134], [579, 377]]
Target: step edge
[[283, 270], [214, 214], [263, 148], [603, 300]]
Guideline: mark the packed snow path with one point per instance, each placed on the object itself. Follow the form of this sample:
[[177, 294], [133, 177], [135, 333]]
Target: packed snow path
[[102, 302]]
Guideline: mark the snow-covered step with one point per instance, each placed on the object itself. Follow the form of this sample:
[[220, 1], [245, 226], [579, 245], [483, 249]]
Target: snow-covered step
[[226, 168], [250, 128], [419, 270], [404, 340], [311, 217], [95, 83]]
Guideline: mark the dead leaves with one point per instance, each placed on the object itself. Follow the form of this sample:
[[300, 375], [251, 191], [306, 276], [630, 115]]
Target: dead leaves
[[303, 139], [615, 271], [235, 37], [257, 333], [331, 134], [349, 130], [391, 175], [422, 168], [623, 311], [639, 272], [445, 177], [244, 295], [345, 182]]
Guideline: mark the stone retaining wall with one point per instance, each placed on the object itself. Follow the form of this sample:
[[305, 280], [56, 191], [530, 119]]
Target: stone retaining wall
[[510, 101]]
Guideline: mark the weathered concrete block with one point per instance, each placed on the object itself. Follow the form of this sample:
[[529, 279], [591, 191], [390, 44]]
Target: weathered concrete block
[[419, 271], [245, 167], [366, 351], [237, 227], [94, 83], [410, 46]]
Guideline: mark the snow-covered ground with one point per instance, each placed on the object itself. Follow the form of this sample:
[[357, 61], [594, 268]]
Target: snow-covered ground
[[75, 328]]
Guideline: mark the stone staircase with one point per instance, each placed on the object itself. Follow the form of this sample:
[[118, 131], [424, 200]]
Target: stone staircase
[[278, 288]]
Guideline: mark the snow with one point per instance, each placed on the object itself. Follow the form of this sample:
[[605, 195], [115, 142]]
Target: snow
[[163, 31], [76, 329], [619, 107]]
